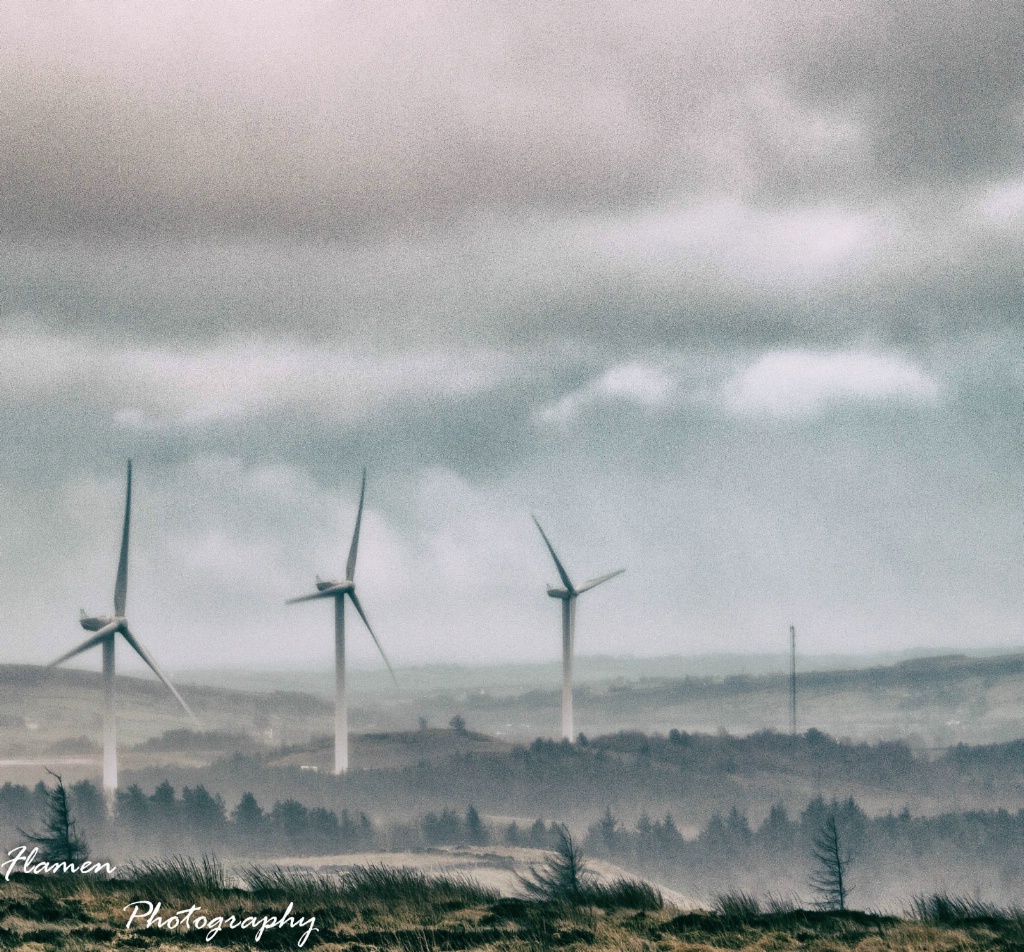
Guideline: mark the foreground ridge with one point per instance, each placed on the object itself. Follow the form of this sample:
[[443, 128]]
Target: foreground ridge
[[394, 908]]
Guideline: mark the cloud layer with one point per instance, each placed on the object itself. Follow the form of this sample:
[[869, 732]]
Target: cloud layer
[[730, 296], [327, 118]]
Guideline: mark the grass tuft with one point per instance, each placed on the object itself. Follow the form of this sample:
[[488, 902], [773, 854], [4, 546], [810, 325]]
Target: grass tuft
[[376, 885], [737, 907], [623, 894], [299, 886], [178, 876], [943, 909], [404, 885], [780, 905]]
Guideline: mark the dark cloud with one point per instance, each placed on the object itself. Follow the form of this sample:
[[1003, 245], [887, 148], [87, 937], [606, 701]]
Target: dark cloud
[[694, 277], [756, 176], [869, 507], [730, 296], [338, 121], [937, 89]]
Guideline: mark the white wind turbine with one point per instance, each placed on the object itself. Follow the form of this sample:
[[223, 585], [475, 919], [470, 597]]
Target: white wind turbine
[[338, 591], [107, 629], [568, 594]]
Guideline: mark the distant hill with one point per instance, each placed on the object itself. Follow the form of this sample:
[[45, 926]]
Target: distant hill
[[932, 702], [517, 678], [43, 711]]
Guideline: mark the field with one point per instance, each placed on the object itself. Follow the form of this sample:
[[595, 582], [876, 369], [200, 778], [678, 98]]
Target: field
[[497, 868]]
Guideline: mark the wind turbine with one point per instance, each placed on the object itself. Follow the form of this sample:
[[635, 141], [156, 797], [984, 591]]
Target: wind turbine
[[338, 591], [107, 629], [568, 594]]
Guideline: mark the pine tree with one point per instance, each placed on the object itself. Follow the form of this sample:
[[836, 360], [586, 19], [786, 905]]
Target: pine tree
[[565, 878], [248, 816], [831, 878], [59, 841], [610, 831], [476, 832]]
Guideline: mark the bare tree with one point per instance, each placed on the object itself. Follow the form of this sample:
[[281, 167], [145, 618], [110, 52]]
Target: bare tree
[[830, 878], [58, 841]]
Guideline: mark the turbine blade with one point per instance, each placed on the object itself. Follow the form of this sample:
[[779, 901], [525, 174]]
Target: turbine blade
[[308, 598], [558, 565], [121, 588], [350, 568], [362, 614], [89, 642], [594, 582], [145, 656]]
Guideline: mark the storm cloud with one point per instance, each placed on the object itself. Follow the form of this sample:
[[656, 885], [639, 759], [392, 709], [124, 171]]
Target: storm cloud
[[731, 297]]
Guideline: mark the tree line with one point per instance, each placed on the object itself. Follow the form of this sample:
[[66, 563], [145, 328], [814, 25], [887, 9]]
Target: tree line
[[890, 855], [199, 821], [894, 854]]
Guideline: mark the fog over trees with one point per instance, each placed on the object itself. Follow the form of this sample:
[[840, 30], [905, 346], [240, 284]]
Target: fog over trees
[[736, 845]]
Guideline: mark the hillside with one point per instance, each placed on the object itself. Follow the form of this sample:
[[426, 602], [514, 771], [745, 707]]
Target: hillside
[[378, 908], [933, 703]]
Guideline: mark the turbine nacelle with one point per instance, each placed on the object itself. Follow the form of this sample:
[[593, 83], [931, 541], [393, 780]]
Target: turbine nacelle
[[327, 590], [569, 590], [335, 587], [95, 624]]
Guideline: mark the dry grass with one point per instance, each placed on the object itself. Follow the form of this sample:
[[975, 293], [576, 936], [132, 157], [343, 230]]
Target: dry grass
[[380, 908]]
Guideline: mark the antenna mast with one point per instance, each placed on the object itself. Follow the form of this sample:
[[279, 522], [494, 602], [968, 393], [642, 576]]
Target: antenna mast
[[792, 680]]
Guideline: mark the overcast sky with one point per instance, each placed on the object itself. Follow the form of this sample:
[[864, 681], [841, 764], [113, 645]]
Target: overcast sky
[[728, 295]]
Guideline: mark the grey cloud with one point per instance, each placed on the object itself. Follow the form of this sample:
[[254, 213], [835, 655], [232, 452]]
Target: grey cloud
[[87, 153], [684, 276], [68, 397], [553, 177], [336, 122], [871, 522], [156, 388], [937, 89], [258, 255]]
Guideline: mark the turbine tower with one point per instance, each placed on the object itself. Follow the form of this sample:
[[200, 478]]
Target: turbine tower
[[107, 629], [568, 594], [338, 591]]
